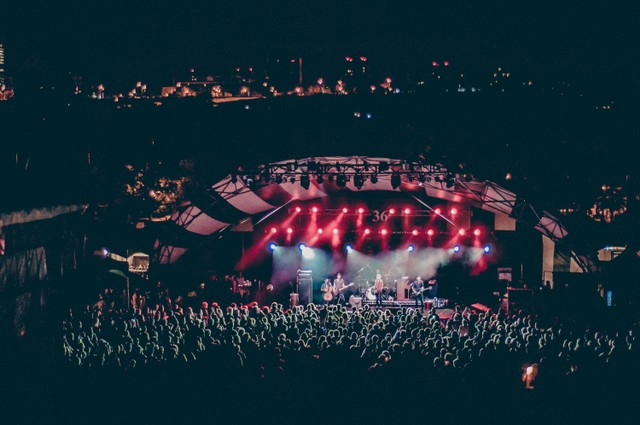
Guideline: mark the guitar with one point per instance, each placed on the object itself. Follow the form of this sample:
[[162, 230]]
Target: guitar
[[415, 293], [329, 295]]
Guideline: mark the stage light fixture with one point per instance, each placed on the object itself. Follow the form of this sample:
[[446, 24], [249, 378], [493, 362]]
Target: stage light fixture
[[319, 179], [360, 210], [314, 210], [374, 179], [438, 211], [422, 178], [462, 232], [395, 180], [450, 182], [430, 232], [358, 181], [383, 166], [278, 179], [487, 249], [348, 248], [411, 248], [234, 178], [392, 211], [384, 232], [298, 209], [367, 231], [320, 231], [341, 180], [312, 165], [456, 248], [292, 180], [272, 246], [345, 210], [274, 230], [477, 232], [335, 231], [289, 230], [304, 181], [414, 232], [407, 211], [454, 211], [302, 246]]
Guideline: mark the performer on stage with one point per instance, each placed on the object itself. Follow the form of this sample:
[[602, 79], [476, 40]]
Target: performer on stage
[[338, 289], [417, 292], [379, 287], [327, 291]]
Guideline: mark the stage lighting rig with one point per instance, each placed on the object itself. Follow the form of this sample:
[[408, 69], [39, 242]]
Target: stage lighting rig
[[395, 180], [304, 181], [358, 181]]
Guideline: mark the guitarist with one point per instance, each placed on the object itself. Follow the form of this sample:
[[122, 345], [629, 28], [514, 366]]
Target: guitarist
[[338, 289], [379, 287], [417, 291]]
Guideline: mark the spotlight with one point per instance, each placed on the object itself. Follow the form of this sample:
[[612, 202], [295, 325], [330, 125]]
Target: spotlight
[[487, 248], [104, 252], [477, 232], [307, 252], [430, 232], [383, 166], [345, 210], [292, 180], [320, 231], [384, 232], [360, 210], [304, 181], [272, 246], [411, 248], [456, 248], [348, 248], [374, 179], [319, 179], [422, 178], [298, 209], [395, 180], [407, 211], [392, 211], [367, 231], [274, 230], [341, 181], [462, 232], [314, 210], [335, 231], [301, 246], [454, 211], [438, 211], [278, 179], [358, 181], [414, 232], [289, 230], [450, 181]]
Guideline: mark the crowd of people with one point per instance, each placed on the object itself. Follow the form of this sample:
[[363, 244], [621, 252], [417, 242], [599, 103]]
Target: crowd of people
[[369, 361]]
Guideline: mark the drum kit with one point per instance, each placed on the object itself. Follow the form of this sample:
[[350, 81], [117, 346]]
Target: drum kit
[[370, 293]]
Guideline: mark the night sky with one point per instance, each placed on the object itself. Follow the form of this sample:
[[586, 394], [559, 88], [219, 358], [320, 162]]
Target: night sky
[[596, 45]]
